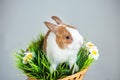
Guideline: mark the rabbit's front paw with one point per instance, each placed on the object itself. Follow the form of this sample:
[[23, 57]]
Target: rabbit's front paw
[[75, 68], [53, 68]]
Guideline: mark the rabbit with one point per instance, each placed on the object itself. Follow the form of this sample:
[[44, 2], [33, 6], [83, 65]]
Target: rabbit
[[62, 43]]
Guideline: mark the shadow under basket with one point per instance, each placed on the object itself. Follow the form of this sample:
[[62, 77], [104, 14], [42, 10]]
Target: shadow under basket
[[76, 76]]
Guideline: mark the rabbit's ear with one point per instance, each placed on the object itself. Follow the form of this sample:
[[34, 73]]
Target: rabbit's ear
[[51, 26], [57, 19]]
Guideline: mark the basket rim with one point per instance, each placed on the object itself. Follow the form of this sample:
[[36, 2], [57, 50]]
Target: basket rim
[[82, 73]]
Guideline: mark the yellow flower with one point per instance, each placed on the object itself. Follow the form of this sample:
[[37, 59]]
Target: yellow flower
[[28, 56]]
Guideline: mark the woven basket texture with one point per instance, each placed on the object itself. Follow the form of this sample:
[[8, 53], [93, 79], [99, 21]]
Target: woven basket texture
[[76, 76]]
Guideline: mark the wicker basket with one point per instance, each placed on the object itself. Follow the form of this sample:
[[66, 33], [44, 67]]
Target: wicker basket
[[77, 76]]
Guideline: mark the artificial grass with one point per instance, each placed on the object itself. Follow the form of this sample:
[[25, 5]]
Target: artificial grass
[[39, 66]]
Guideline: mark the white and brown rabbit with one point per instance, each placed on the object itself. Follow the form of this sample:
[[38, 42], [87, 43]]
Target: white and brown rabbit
[[62, 43]]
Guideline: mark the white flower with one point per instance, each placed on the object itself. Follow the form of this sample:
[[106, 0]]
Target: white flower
[[94, 53], [89, 45], [93, 50], [28, 56]]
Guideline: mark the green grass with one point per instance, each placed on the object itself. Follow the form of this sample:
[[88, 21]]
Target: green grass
[[39, 66]]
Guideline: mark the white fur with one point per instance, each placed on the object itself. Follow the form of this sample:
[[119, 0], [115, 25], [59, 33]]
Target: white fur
[[57, 55]]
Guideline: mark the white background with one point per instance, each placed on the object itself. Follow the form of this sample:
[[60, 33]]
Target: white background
[[97, 20]]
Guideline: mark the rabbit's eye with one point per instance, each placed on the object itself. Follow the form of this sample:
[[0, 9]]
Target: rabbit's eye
[[67, 37]]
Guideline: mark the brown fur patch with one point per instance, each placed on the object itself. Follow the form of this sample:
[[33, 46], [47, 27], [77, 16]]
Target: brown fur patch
[[63, 37], [45, 40]]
